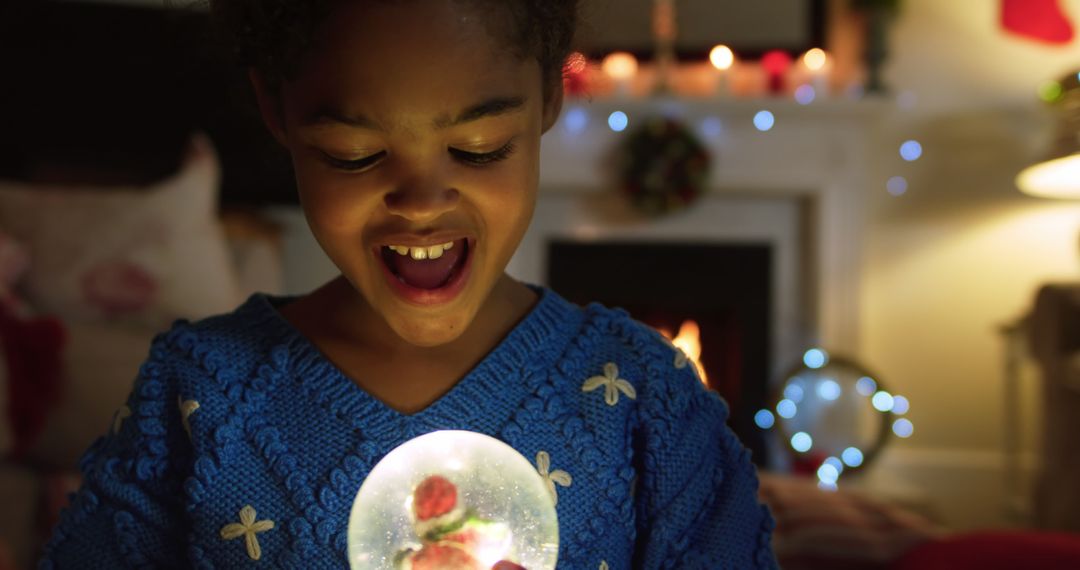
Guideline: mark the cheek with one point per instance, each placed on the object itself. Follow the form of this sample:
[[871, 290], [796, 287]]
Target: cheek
[[332, 204]]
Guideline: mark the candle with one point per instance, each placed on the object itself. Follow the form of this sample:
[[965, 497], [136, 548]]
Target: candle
[[621, 67], [776, 64], [816, 62], [722, 58]]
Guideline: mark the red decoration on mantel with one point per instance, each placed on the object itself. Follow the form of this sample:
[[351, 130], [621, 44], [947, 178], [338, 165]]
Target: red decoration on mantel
[[776, 63], [1041, 20]]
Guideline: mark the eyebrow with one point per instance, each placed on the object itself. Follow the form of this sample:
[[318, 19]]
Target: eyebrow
[[490, 108]]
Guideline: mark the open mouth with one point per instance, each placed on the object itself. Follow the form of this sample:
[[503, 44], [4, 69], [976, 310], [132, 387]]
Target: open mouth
[[427, 268]]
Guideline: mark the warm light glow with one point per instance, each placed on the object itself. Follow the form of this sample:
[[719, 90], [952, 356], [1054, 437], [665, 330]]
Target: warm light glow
[[815, 59], [620, 66], [575, 62], [1058, 178], [689, 341], [722, 57]]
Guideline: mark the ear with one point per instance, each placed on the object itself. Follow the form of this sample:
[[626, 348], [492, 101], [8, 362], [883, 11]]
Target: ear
[[269, 107], [552, 105]]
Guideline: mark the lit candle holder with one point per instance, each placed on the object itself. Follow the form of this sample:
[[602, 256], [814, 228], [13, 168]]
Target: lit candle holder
[[776, 64], [575, 74], [621, 67], [816, 62], [722, 58]]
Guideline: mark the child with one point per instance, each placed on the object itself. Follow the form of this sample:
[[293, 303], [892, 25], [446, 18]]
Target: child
[[414, 128]]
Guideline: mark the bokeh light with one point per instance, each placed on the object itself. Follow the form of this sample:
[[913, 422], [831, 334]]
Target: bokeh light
[[903, 427], [815, 358], [764, 419], [897, 185], [815, 59], [882, 401], [712, 127], [620, 65], [829, 389], [576, 120], [802, 442], [1050, 91], [721, 57], [852, 457], [866, 386], [618, 121], [576, 62], [794, 391], [805, 94], [786, 409], [764, 120], [827, 473], [911, 150], [836, 464]]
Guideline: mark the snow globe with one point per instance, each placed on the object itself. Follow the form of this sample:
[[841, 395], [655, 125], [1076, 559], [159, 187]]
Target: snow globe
[[453, 500]]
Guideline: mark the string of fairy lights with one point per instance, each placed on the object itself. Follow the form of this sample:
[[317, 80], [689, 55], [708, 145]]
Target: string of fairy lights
[[777, 76], [828, 391]]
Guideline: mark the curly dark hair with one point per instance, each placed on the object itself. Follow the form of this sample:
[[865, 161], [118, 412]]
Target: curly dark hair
[[274, 36]]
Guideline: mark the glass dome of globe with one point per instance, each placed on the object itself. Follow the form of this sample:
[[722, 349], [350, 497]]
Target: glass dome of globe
[[457, 500]]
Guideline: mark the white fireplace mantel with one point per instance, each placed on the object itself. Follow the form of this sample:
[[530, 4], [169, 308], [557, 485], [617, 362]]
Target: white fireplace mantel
[[816, 154]]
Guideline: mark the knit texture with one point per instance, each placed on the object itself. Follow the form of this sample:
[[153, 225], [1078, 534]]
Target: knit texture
[[242, 446]]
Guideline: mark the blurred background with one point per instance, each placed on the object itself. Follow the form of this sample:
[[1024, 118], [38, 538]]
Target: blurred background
[[856, 217]]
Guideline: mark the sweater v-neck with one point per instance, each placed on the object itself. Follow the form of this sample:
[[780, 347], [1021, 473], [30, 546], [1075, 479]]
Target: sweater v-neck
[[481, 401]]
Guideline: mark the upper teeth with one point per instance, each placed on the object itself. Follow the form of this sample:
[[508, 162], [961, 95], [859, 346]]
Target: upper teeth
[[428, 252]]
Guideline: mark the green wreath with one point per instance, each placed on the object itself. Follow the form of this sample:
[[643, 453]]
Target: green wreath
[[662, 166]]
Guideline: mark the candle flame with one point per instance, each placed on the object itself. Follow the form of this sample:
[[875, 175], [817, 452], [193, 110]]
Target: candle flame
[[722, 57], [815, 59], [620, 65]]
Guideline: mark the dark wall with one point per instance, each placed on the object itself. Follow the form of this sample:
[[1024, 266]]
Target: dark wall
[[109, 94]]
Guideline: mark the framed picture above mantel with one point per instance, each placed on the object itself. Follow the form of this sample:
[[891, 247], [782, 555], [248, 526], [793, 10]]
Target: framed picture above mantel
[[750, 28]]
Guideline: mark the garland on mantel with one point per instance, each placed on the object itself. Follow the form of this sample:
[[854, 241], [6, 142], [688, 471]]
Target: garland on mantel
[[662, 166]]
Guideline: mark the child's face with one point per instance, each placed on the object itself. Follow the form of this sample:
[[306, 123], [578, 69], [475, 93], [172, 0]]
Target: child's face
[[440, 122]]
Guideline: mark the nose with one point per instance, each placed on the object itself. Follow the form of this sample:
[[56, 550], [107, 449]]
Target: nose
[[421, 200]]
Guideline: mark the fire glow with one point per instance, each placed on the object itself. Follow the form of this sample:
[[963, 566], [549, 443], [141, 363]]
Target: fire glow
[[689, 341]]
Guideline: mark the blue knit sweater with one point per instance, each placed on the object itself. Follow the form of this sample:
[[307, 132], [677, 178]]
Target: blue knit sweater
[[242, 446]]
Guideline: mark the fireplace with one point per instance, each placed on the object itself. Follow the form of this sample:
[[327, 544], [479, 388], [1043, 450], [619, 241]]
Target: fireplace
[[724, 288]]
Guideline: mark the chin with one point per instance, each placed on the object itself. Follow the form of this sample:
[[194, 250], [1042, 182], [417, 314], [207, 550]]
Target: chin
[[430, 332]]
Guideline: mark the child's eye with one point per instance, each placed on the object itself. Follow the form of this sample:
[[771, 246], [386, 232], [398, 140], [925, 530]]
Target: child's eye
[[354, 165], [483, 158]]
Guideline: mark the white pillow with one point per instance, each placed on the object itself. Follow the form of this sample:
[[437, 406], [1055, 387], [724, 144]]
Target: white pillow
[[132, 255]]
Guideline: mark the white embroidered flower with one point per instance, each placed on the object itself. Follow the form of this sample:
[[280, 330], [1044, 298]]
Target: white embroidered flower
[[187, 407], [612, 385], [543, 465], [603, 565], [248, 527], [122, 414]]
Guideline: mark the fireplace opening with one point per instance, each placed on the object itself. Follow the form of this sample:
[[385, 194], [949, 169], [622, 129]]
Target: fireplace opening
[[723, 288]]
